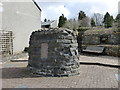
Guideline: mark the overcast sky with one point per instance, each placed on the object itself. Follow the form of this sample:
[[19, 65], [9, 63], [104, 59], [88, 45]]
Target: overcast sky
[[52, 9]]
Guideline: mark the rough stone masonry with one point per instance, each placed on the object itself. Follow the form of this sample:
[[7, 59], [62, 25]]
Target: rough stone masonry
[[54, 52]]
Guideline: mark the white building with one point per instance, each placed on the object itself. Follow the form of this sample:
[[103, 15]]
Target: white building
[[22, 18], [119, 7], [1, 9], [49, 24]]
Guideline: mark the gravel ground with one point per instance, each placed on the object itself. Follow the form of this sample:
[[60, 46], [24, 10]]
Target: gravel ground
[[16, 75]]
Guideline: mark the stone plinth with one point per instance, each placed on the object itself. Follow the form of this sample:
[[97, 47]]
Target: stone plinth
[[54, 52]]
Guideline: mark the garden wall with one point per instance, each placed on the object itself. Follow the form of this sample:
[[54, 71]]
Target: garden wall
[[109, 38]]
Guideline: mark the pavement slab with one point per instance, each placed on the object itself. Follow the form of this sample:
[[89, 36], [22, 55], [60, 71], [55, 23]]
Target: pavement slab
[[16, 75]]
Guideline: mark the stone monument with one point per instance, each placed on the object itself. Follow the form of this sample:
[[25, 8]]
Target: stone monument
[[54, 52]]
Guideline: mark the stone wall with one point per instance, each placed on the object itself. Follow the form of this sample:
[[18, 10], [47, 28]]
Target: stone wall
[[108, 38], [91, 39], [114, 38], [111, 50], [54, 52], [95, 39]]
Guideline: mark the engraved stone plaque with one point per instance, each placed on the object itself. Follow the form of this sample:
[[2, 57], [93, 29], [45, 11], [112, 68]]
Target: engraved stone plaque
[[44, 51]]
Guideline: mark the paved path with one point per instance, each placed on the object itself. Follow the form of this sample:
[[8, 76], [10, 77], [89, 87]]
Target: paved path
[[15, 75], [100, 59]]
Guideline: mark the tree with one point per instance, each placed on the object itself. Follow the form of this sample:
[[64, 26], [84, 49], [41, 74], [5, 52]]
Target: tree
[[93, 23], [112, 19], [98, 18], [71, 24], [117, 17], [108, 20], [45, 20], [48, 19], [81, 15], [85, 22], [62, 21]]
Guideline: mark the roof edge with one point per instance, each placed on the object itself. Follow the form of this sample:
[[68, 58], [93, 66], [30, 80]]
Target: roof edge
[[36, 5]]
